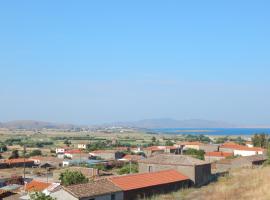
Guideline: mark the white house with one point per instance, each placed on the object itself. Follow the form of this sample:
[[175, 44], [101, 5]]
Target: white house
[[82, 146]]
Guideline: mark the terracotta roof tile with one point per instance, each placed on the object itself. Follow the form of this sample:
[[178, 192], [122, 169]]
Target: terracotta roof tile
[[232, 145], [218, 154], [87, 190], [36, 186], [17, 160], [137, 181]]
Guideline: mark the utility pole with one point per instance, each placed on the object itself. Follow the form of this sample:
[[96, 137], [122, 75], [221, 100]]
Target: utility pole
[[24, 151]]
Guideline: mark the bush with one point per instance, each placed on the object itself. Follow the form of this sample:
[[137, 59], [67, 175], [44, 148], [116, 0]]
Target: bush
[[35, 153], [128, 168], [72, 177], [199, 154]]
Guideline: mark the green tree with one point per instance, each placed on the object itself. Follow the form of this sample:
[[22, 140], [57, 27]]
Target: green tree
[[72, 177], [169, 143], [199, 154], [3, 147], [40, 196], [36, 152], [260, 140], [67, 142], [154, 139], [14, 154], [128, 168]]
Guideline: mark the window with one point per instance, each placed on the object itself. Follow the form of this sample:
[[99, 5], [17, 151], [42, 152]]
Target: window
[[150, 168], [113, 197]]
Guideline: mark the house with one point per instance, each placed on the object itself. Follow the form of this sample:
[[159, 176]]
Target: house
[[17, 162], [244, 161], [241, 150], [77, 162], [149, 151], [82, 145], [61, 150], [52, 162], [131, 158], [140, 186], [102, 189], [73, 152], [107, 154], [216, 155], [87, 172], [198, 171], [197, 146]]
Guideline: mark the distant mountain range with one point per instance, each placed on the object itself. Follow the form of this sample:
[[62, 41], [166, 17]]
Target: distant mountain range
[[142, 124], [31, 124]]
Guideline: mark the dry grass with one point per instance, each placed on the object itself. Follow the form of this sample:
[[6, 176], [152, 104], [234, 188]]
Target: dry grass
[[242, 184]]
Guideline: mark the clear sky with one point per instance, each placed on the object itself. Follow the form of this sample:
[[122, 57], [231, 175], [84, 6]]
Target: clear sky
[[100, 61]]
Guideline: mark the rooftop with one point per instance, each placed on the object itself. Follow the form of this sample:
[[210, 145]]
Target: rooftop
[[99, 187], [16, 160], [171, 159], [232, 145], [136, 181], [36, 186], [218, 154], [157, 148]]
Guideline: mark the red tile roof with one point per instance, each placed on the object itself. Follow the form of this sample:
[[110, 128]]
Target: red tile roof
[[18, 160], [232, 145], [132, 157], [160, 148], [218, 154], [36, 186], [73, 151], [137, 181]]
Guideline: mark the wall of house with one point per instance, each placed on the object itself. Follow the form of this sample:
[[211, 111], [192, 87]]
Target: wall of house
[[189, 171], [229, 150], [213, 158], [209, 148], [118, 196], [202, 174], [246, 153], [151, 191], [63, 195]]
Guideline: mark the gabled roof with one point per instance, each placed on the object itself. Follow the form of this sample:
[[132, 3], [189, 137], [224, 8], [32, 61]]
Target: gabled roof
[[36, 186], [132, 157], [235, 146], [87, 190], [17, 161], [218, 154], [171, 159], [157, 148], [138, 181], [73, 151]]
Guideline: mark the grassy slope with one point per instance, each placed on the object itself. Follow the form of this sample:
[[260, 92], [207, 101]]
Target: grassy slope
[[242, 184]]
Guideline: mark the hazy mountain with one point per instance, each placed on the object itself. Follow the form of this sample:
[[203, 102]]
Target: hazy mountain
[[31, 124], [172, 123]]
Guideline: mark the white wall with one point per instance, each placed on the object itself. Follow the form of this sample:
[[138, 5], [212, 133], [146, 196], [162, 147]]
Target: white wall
[[246, 153]]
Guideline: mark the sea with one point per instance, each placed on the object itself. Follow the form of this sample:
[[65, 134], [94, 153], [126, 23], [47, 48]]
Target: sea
[[212, 131]]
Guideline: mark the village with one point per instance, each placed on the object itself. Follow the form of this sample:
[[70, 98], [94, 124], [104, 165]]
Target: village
[[113, 171]]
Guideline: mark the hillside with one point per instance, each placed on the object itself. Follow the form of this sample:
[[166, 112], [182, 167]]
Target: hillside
[[242, 184], [31, 124]]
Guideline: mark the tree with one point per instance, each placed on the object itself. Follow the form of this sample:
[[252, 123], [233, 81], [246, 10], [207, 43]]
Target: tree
[[3, 147], [40, 196], [195, 153], [259, 140], [72, 177], [36, 152], [67, 142], [169, 143], [128, 168], [154, 139], [14, 154]]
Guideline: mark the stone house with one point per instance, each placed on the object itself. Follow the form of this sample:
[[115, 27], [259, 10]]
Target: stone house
[[197, 170], [107, 154], [141, 186], [241, 150], [102, 189], [244, 161], [153, 150]]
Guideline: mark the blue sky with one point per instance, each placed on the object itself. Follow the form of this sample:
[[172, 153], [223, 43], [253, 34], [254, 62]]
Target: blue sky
[[91, 62]]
